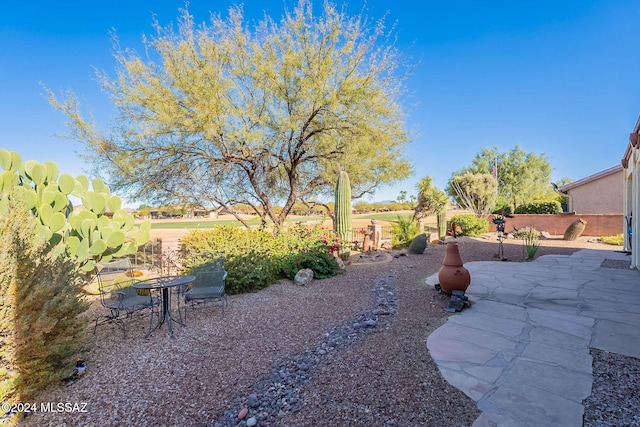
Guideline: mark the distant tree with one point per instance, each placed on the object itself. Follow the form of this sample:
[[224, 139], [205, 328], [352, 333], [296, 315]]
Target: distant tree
[[431, 200], [563, 181], [521, 176], [255, 113], [402, 198], [556, 185], [144, 210], [474, 192], [362, 206]]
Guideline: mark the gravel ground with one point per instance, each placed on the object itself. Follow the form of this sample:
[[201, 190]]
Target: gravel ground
[[345, 351]]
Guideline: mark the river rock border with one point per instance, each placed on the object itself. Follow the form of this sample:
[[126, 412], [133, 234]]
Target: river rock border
[[279, 392]]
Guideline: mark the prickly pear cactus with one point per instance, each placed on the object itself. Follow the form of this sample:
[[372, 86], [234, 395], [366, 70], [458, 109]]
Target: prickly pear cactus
[[342, 214], [575, 229], [89, 234]]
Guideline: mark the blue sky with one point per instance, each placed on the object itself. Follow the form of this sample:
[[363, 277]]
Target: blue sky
[[555, 77]]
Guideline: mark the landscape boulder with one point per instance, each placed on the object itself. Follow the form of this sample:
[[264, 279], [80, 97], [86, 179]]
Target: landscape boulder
[[303, 277], [418, 244]]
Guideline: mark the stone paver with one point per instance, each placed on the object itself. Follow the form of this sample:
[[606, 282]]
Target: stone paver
[[521, 351]]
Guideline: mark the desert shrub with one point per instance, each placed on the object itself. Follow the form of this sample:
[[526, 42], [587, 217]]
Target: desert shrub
[[309, 247], [255, 259], [531, 236], [41, 328], [404, 231], [546, 207], [251, 257], [525, 232], [323, 264], [470, 225], [617, 240]]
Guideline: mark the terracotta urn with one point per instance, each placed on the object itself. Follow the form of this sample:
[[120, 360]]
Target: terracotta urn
[[452, 275]]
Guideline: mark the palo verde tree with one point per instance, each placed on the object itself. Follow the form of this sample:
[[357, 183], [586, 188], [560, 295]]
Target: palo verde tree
[[263, 114], [521, 176]]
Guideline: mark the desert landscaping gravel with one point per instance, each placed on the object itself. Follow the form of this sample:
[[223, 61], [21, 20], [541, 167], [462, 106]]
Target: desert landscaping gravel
[[345, 351]]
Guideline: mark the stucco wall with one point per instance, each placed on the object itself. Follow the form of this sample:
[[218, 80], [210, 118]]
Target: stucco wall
[[597, 225], [600, 196]]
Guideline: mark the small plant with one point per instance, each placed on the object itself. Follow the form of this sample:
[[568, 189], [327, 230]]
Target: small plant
[[531, 236], [404, 230], [617, 240]]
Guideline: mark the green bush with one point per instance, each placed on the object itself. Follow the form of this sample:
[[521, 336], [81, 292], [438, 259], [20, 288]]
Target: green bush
[[404, 231], [470, 225], [255, 259], [41, 329], [323, 264], [502, 210], [547, 207], [251, 256]]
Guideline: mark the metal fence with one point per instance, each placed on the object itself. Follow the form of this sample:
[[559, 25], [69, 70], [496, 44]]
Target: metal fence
[[358, 236], [148, 255]]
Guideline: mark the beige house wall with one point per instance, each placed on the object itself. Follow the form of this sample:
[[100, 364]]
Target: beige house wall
[[631, 165], [600, 196]]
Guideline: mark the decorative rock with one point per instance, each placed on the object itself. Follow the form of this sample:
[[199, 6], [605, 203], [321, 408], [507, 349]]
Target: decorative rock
[[303, 277], [243, 413], [418, 244], [386, 245], [253, 401], [279, 391], [340, 263], [545, 235], [404, 252]]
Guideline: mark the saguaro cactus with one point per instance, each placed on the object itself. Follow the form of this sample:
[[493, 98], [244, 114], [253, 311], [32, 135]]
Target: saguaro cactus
[[442, 224], [342, 214]]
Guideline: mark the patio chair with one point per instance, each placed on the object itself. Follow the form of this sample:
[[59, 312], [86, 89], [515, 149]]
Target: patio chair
[[210, 281], [115, 285]]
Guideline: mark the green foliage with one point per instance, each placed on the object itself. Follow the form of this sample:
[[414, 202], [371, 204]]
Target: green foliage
[[323, 264], [342, 213], [255, 259], [251, 256], [430, 199], [475, 192], [405, 229], [471, 225], [255, 112], [546, 207], [41, 329], [617, 240], [88, 234], [531, 236], [502, 210], [521, 176]]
